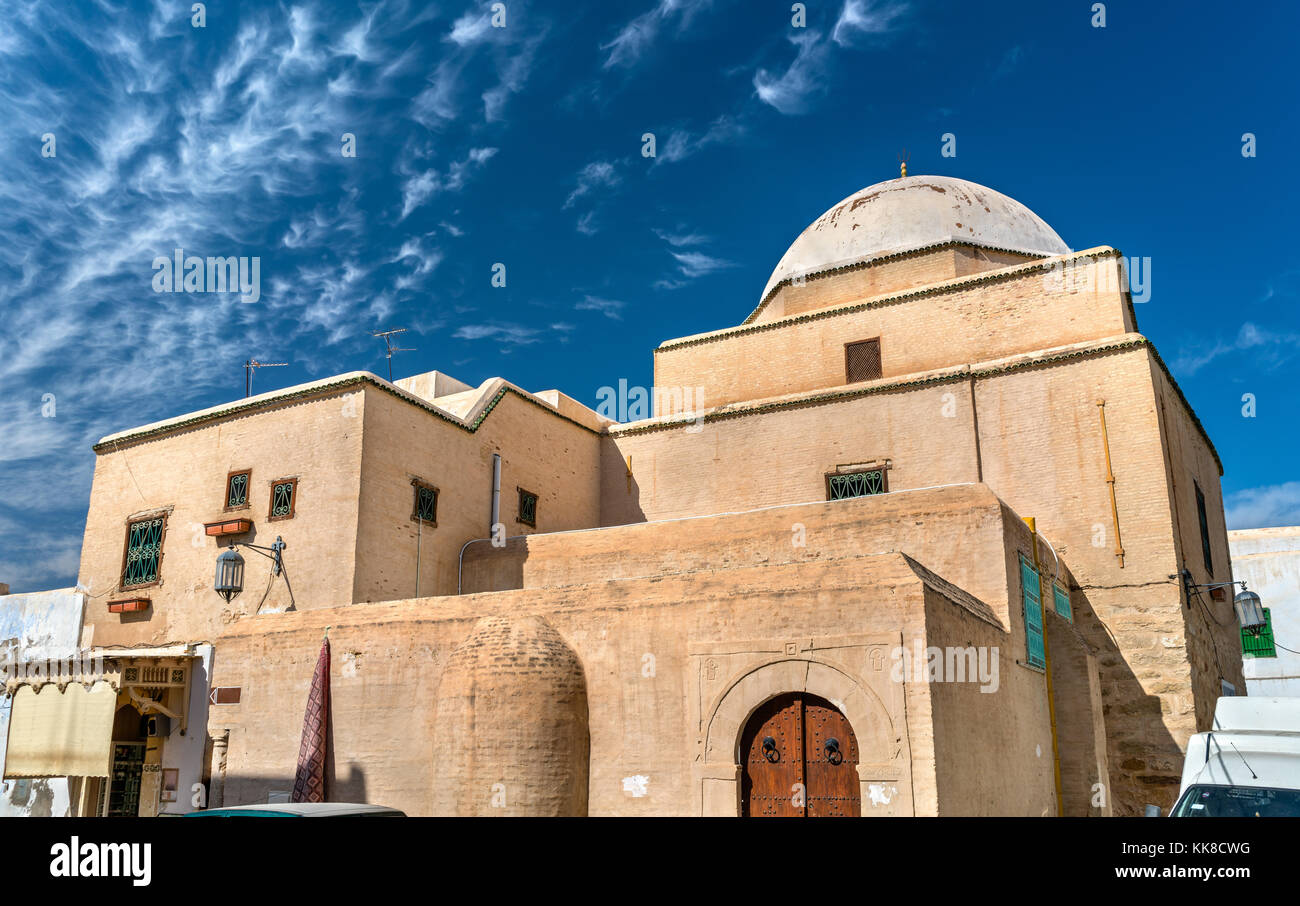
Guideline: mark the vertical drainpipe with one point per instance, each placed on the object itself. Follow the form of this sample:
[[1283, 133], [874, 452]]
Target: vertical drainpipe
[[496, 494]]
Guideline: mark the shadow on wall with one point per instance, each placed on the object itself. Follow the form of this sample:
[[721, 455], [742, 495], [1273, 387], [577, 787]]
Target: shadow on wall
[[620, 499], [1145, 760]]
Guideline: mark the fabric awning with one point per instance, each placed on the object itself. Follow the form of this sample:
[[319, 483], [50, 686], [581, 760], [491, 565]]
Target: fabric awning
[[61, 734]]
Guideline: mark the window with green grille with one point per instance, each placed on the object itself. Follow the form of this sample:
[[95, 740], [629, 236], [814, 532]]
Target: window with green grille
[[426, 503], [237, 490], [1259, 642], [282, 498], [527, 507], [143, 551], [842, 486], [1037, 655], [1061, 599]]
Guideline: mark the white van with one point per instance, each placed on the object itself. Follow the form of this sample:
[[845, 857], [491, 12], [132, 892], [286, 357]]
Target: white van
[[1248, 765]]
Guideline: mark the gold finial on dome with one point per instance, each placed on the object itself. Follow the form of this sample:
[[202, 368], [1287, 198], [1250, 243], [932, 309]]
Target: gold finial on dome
[[902, 162]]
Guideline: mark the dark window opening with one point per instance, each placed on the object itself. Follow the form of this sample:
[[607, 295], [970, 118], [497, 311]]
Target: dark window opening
[[862, 361], [426, 503], [1205, 529], [527, 507]]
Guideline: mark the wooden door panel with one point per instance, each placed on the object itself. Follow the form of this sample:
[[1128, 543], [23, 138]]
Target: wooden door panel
[[831, 755], [799, 758], [773, 750]]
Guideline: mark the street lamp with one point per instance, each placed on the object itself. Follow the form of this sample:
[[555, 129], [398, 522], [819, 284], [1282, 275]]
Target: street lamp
[[229, 579], [1250, 610]]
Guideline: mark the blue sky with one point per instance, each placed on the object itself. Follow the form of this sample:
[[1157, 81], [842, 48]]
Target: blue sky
[[522, 145]]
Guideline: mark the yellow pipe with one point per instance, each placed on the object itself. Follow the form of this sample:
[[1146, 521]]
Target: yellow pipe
[[1110, 480], [1047, 670]]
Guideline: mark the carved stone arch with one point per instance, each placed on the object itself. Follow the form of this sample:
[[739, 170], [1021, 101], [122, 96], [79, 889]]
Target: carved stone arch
[[884, 766]]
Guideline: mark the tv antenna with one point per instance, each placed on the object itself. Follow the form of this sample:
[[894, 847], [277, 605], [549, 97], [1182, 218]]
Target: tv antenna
[[252, 365], [389, 348]]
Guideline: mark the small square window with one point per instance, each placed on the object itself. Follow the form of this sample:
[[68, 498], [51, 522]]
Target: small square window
[[527, 507], [862, 483], [283, 499], [862, 361], [237, 489], [425, 507], [143, 556]]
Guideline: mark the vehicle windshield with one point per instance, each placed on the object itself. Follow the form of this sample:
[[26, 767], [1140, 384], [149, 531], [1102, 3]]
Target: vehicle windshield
[[1203, 801]]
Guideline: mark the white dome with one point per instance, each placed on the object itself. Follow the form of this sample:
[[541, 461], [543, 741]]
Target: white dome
[[910, 213]]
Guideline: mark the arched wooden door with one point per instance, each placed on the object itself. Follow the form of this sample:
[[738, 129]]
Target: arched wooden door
[[800, 760]]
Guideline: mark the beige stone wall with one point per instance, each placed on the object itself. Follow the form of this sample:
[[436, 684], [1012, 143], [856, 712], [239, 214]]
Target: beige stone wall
[[1080, 721], [887, 275], [355, 451], [1040, 449], [1212, 636], [183, 473], [540, 452], [983, 768], [673, 664], [979, 318], [942, 528]]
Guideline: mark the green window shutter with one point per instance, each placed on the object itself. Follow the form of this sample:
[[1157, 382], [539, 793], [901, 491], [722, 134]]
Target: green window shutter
[[1062, 601], [1037, 656], [1259, 643]]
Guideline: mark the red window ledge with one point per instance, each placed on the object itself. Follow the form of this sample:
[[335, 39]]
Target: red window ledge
[[131, 605], [228, 527]]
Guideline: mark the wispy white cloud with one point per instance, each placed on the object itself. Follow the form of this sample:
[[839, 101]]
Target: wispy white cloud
[[1270, 348], [610, 308], [640, 34], [420, 187], [865, 17], [792, 92]]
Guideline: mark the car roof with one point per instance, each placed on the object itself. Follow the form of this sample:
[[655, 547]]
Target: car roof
[[301, 810]]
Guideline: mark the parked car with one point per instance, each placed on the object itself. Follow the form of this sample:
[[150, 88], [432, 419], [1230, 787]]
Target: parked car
[[1248, 766], [301, 810]]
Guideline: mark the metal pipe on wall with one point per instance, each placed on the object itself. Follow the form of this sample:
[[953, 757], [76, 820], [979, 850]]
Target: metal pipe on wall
[[496, 493]]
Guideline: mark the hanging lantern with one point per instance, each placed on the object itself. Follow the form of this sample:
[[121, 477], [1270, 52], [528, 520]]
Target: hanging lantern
[[229, 580], [1250, 610]]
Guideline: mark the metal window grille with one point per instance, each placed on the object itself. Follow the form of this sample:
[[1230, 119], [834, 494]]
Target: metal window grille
[[856, 484], [237, 490], [862, 361], [143, 551], [1036, 654], [282, 499], [1062, 602], [1205, 528], [1259, 642], [426, 504], [527, 508]]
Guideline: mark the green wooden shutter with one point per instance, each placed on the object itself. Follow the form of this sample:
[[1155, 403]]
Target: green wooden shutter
[[1261, 644], [1037, 656], [1062, 601]]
